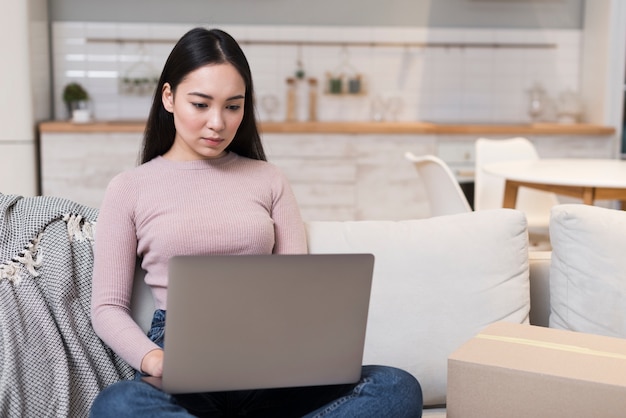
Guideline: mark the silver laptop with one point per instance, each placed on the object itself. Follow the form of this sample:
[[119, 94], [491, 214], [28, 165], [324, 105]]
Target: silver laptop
[[265, 321]]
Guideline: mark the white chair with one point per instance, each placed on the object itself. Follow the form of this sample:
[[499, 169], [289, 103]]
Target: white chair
[[445, 196], [489, 189]]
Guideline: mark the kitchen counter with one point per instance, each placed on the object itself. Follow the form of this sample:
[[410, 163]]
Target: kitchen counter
[[355, 128], [338, 170]]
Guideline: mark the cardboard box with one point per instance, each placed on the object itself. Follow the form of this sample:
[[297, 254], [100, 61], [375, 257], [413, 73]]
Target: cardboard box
[[512, 370]]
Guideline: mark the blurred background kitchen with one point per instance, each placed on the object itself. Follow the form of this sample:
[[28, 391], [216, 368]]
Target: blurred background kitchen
[[343, 88]]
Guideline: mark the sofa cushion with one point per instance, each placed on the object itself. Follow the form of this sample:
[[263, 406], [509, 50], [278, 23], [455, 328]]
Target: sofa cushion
[[437, 282], [588, 270]]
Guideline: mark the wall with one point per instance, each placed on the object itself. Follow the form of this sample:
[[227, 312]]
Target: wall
[[554, 14], [435, 84], [40, 55], [25, 95], [603, 52], [442, 84]]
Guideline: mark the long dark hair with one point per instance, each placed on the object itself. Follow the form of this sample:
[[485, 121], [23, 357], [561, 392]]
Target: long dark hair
[[197, 48]]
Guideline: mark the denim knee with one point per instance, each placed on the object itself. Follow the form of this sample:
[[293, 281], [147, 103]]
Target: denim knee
[[127, 399], [108, 399], [400, 387]]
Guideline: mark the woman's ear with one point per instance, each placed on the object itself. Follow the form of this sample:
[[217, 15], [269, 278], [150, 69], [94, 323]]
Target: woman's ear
[[167, 97]]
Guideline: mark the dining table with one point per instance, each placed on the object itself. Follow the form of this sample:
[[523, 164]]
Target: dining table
[[584, 178]]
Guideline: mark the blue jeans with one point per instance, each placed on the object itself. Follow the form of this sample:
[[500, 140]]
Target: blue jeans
[[381, 392]]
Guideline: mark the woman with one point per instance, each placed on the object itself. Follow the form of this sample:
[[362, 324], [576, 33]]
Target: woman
[[204, 187]]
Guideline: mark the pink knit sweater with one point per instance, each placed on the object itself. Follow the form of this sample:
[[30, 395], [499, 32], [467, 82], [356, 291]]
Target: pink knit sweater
[[230, 205]]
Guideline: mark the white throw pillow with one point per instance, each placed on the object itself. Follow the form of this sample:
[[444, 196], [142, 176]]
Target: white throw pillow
[[588, 270], [437, 283]]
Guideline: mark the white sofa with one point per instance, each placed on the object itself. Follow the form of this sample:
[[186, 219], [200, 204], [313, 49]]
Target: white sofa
[[439, 281]]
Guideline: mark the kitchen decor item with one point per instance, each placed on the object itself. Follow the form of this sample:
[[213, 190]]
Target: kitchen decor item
[[385, 108], [301, 99], [569, 107], [378, 108], [354, 84], [81, 114], [141, 78], [537, 102], [269, 104], [76, 100], [335, 83], [342, 83], [312, 99], [394, 107], [344, 79], [300, 72], [137, 86], [292, 100]]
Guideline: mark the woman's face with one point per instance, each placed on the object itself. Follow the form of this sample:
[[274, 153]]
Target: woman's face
[[208, 109]]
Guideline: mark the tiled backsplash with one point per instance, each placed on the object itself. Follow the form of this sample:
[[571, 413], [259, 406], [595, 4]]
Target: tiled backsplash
[[443, 84]]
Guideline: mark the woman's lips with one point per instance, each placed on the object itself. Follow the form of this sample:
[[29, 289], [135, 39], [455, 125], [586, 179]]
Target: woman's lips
[[213, 141]]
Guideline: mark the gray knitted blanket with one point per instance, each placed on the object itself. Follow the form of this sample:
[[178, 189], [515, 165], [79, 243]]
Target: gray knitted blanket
[[52, 364]]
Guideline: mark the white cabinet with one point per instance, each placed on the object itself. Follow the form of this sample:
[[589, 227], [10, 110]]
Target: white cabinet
[[79, 166], [352, 177], [334, 176], [458, 153]]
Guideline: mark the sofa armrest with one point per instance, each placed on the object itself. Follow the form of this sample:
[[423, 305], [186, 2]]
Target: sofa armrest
[[539, 271]]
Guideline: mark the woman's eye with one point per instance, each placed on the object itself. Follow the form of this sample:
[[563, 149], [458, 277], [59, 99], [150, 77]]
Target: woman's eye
[[200, 105], [233, 107]]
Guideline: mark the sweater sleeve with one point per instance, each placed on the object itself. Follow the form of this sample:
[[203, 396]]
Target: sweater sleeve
[[114, 271], [290, 234]]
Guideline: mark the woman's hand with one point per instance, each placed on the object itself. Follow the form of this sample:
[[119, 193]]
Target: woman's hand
[[152, 363]]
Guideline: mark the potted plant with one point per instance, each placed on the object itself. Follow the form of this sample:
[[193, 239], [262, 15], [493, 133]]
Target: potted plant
[[75, 97]]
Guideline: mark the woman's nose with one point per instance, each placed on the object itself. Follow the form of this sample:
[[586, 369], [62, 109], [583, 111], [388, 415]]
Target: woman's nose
[[215, 120]]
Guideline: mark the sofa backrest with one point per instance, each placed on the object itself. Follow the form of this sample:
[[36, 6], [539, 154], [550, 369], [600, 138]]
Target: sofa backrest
[[588, 269], [437, 282], [539, 277], [141, 304]]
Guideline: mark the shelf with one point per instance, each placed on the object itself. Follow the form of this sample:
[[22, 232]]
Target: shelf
[[356, 128], [371, 44], [434, 128]]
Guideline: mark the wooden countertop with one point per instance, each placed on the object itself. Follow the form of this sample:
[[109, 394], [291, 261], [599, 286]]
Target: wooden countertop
[[92, 127], [355, 128]]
